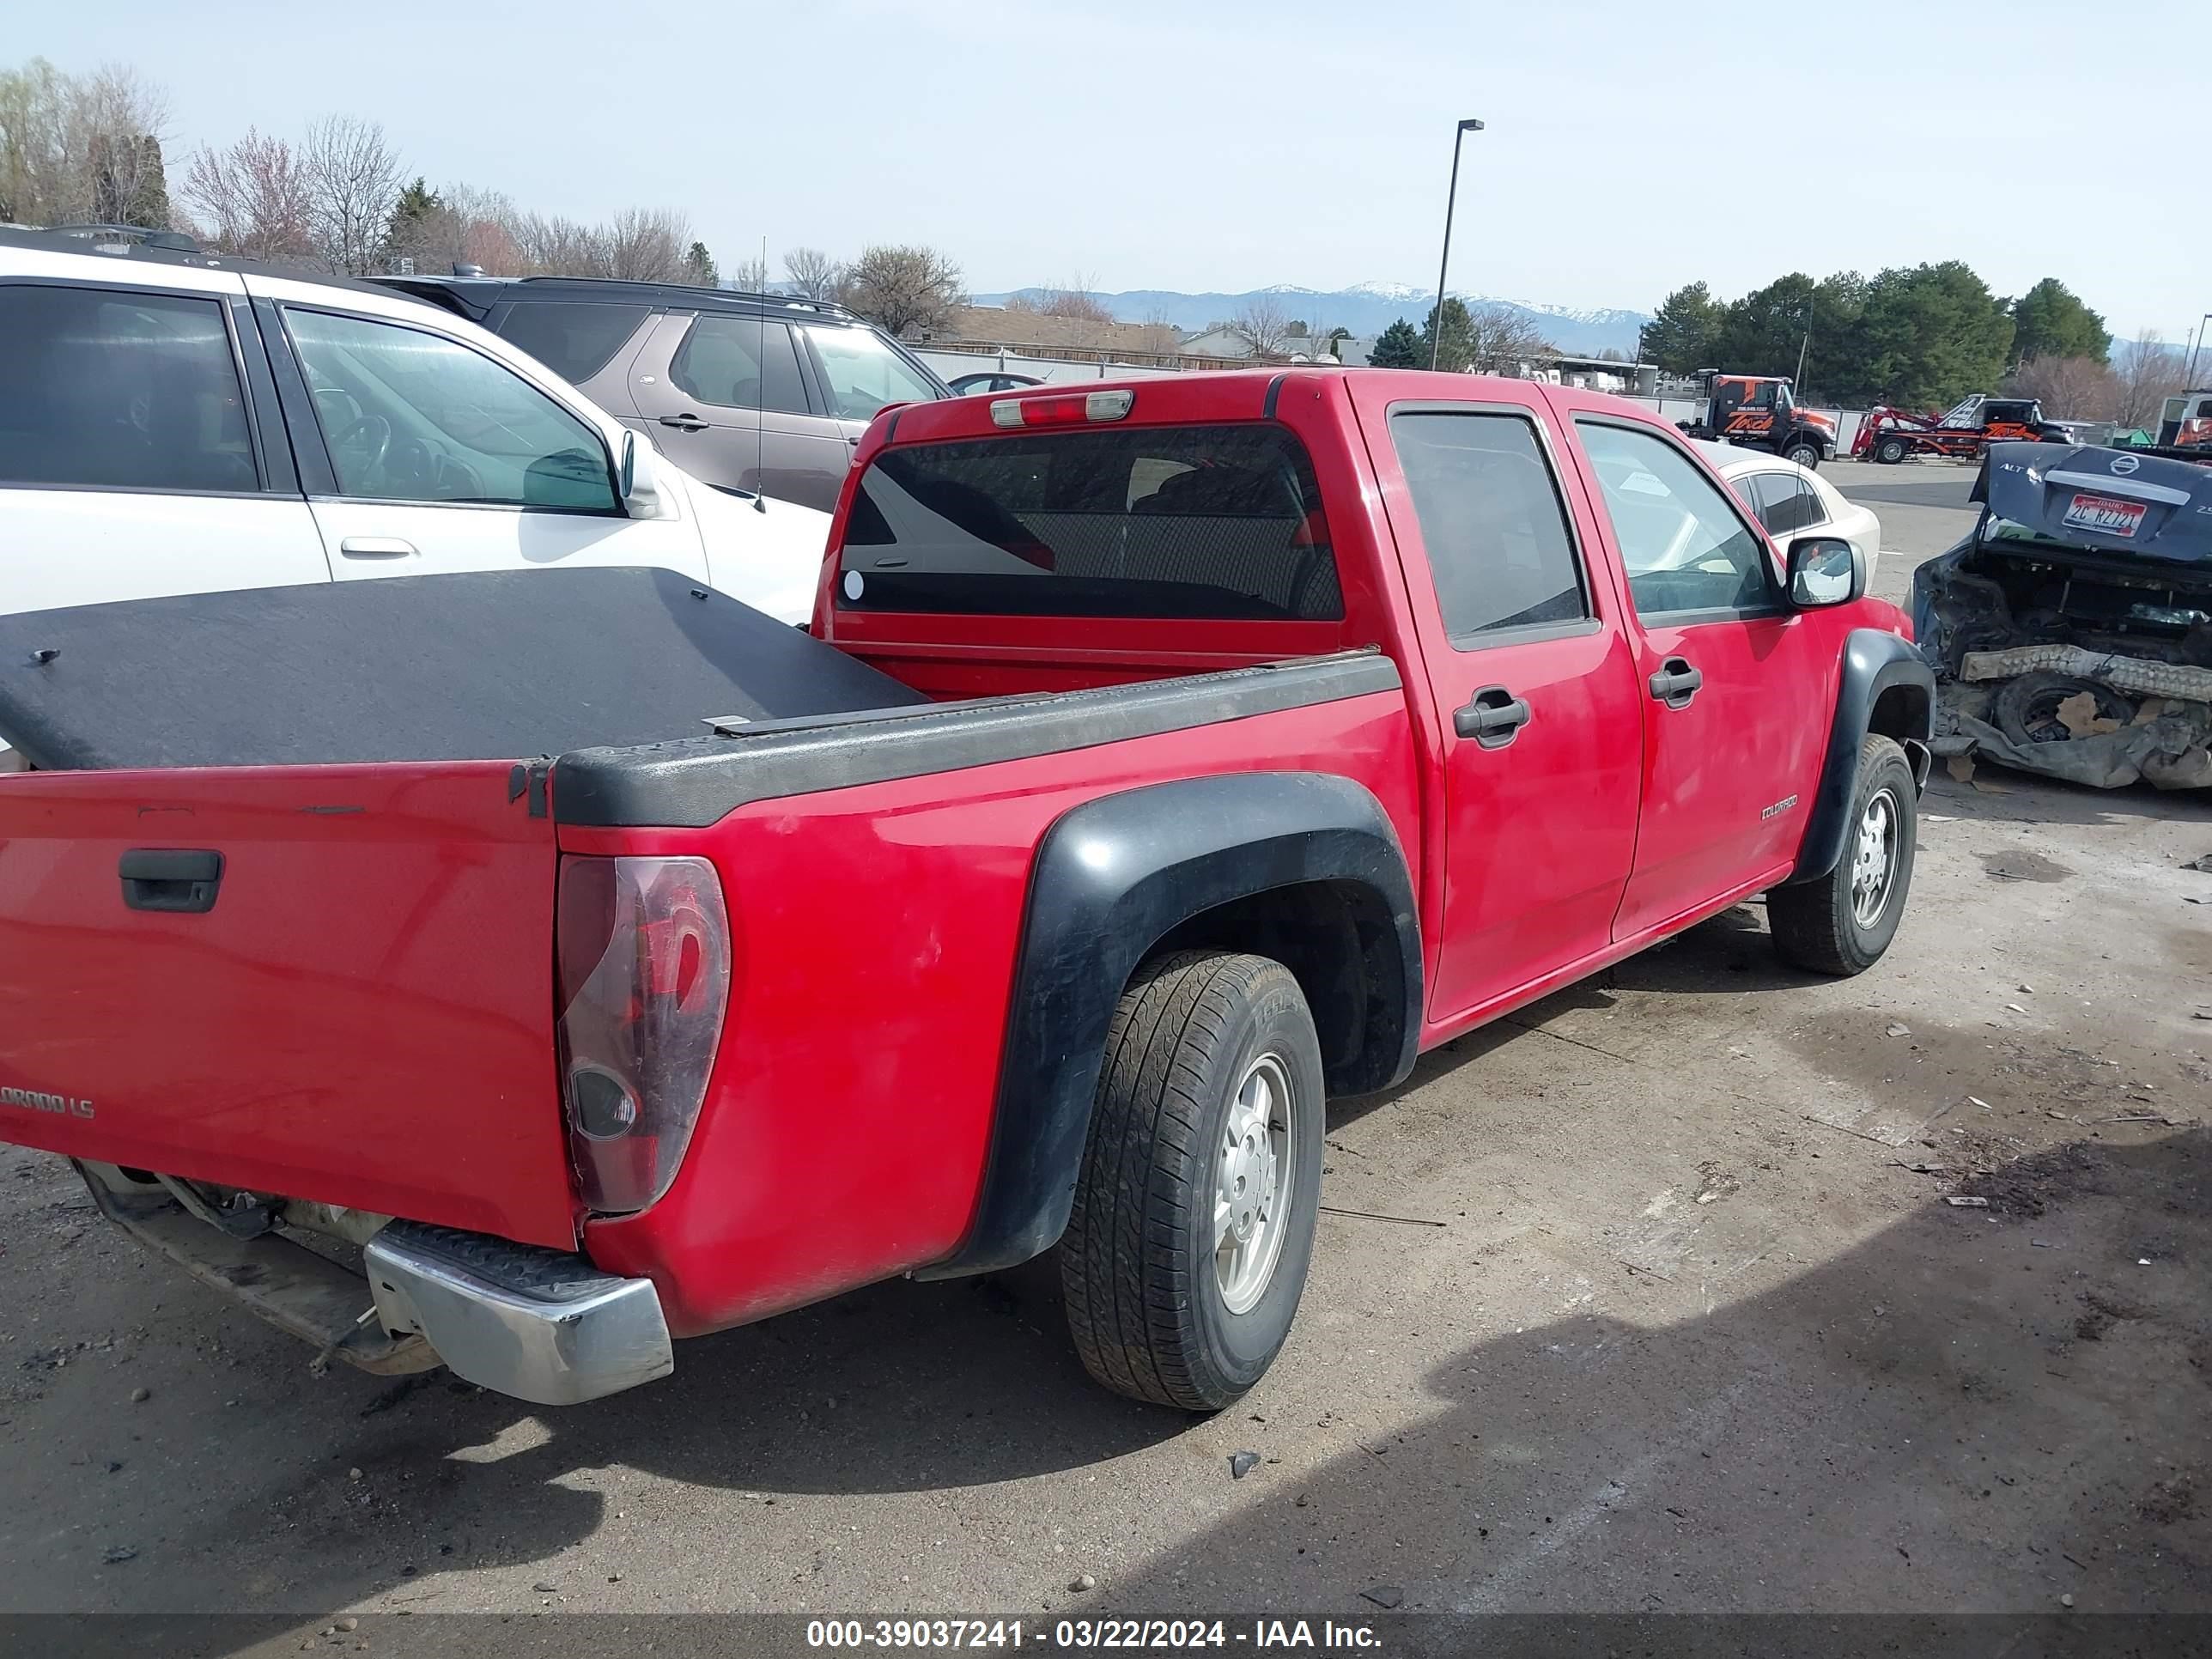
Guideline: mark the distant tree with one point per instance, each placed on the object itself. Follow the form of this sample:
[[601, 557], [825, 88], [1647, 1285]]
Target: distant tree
[[255, 198], [1296, 329], [1502, 339], [2071, 388], [82, 147], [750, 276], [1074, 299], [647, 245], [908, 290], [699, 267], [1683, 335], [1398, 347], [1763, 333], [813, 273], [1265, 323], [2050, 320], [1449, 344], [353, 182], [2149, 372], [1932, 333]]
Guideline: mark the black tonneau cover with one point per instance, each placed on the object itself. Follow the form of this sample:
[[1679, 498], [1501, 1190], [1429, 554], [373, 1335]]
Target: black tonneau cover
[[483, 665]]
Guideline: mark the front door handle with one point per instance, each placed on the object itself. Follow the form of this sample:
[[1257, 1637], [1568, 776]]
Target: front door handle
[[1676, 682], [376, 546], [685, 423], [1493, 718]]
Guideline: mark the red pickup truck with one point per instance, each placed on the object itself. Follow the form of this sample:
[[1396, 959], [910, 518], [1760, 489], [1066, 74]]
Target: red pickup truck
[[490, 971]]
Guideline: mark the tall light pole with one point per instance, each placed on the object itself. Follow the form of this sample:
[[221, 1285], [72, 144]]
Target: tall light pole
[[1443, 265]]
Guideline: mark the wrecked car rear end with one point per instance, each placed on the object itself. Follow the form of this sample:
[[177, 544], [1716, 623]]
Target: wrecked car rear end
[[2071, 634]]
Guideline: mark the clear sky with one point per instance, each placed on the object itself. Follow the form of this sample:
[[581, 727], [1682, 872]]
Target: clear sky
[[1225, 145]]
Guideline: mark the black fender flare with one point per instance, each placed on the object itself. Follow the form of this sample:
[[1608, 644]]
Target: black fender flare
[[1112, 878], [1875, 661]]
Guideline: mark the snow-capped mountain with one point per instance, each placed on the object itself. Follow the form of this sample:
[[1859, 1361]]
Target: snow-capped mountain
[[1365, 308]]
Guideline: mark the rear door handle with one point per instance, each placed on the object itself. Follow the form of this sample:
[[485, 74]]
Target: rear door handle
[[181, 880], [1493, 718], [376, 546], [1676, 682], [685, 423]]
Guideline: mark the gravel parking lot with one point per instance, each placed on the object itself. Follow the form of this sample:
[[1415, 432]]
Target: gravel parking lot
[[1707, 1287]]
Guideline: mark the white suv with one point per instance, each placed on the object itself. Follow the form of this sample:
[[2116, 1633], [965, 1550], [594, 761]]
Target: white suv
[[175, 422]]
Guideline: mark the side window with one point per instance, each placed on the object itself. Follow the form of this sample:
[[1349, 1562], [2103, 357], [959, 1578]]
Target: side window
[[574, 340], [1500, 550], [413, 416], [740, 363], [120, 391], [864, 373], [1784, 502], [1683, 545]]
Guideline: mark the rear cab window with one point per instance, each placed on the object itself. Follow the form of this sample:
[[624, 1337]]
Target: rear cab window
[[1201, 521]]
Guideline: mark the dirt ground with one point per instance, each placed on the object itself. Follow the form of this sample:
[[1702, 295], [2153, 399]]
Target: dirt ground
[[1678, 1313]]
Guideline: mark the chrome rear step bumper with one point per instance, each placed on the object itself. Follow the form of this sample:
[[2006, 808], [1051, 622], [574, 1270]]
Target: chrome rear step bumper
[[533, 1323]]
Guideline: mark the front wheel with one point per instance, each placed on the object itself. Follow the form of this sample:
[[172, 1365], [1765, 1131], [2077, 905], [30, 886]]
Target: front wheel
[[1187, 1248], [1842, 923], [1807, 455]]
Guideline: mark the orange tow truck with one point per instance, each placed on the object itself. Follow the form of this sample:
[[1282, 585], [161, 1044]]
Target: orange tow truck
[[1761, 411]]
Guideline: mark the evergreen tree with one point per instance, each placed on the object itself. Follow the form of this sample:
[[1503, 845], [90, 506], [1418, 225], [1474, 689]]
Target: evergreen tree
[[1450, 343], [699, 267], [1398, 347], [1683, 335], [2050, 320]]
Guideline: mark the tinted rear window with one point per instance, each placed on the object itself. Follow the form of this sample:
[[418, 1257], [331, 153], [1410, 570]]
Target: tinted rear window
[[574, 340], [1196, 521]]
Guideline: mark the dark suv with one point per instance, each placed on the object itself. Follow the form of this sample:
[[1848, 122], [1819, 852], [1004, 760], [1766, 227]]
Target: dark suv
[[744, 391]]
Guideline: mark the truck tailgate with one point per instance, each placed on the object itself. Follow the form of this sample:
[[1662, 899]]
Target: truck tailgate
[[363, 1015]]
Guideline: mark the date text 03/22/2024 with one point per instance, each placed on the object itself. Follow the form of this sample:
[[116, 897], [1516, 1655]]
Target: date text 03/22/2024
[[1146, 1634]]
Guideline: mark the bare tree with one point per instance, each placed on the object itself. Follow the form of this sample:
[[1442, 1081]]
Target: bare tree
[[647, 245], [77, 148], [353, 179], [1265, 323], [1504, 339], [750, 275], [254, 197], [907, 290], [813, 273], [2070, 388], [2149, 372]]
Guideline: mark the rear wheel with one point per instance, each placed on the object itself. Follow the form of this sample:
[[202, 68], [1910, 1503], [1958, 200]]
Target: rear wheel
[[1187, 1248], [1842, 923], [1890, 450], [2025, 708]]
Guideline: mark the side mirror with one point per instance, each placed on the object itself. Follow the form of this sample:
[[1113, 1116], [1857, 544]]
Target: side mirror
[[636, 482], [626, 466], [1824, 570]]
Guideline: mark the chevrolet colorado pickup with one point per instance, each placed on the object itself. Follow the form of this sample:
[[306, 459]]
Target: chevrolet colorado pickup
[[520, 980]]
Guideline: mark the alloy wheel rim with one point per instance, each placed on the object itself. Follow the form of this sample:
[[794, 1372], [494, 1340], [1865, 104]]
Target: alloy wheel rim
[[1254, 1164]]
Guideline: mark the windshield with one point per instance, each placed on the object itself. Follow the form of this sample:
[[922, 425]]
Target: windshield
[[864, 373]]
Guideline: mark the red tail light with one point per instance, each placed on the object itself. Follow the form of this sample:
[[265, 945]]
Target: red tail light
[[644, 950], [1061, 409]]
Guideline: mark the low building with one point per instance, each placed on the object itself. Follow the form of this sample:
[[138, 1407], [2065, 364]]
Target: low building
[[1039, 334]]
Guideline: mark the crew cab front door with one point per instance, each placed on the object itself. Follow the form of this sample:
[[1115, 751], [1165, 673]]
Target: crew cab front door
[[1534, 683], [1737, 688]]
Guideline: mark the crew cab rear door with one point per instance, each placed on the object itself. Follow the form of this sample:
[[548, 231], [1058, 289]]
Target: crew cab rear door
[[329, 982], [1534, 680]]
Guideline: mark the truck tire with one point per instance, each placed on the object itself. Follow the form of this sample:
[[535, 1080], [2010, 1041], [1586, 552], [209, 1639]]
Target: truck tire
[[1803, 451], [1844, 921], [1890, 450], [1187, 1248]]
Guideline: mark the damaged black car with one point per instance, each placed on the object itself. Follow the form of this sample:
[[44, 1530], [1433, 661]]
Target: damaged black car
[[2072, 632]]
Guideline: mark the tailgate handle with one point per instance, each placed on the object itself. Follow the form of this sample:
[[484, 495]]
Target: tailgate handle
[[180, 880]]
